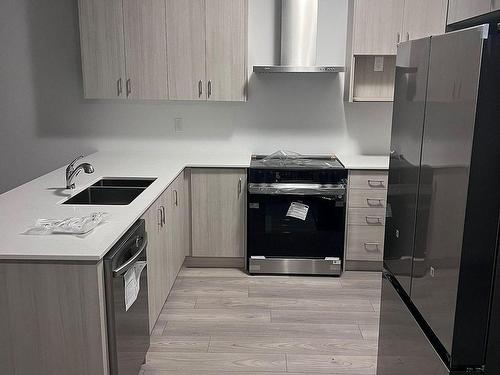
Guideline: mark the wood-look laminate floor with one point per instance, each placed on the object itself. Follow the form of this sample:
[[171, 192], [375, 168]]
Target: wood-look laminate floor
[[222, 321]]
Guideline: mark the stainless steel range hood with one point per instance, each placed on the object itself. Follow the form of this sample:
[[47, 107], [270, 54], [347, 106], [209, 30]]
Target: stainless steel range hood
[[299, 30]]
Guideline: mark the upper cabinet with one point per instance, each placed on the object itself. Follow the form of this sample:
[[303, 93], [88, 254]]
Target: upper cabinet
[[145, 49], [102, 45], [226, 49], [460, 10], [164, 49], [124, 49], [423, 18], [207, 48], [375, 27], [186, 49]]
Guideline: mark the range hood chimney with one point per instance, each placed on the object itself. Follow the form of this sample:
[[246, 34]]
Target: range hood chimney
[[299, 31]]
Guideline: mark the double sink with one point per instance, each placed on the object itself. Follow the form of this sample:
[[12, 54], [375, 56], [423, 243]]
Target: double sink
[[111, 191]]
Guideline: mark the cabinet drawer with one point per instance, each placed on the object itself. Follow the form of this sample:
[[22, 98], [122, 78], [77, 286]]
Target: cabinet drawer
[[366, 216], [362, 198], [368, 179], [365, 243]]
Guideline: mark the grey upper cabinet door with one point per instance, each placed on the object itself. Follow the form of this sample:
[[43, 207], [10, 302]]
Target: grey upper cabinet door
[[218, 199], [226, 43], [377, 26], [146, 49], [102, 48], [186, 49], [460, 10], [495, 5], [424, 18]]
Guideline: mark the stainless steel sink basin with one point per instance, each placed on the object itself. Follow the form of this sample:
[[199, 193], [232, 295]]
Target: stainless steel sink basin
[[111, 191], [125, 182]]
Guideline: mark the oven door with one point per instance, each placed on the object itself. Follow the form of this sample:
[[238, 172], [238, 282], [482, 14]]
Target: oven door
[[273, 233]]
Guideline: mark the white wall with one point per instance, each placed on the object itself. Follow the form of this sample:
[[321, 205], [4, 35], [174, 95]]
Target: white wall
[[44, 120]]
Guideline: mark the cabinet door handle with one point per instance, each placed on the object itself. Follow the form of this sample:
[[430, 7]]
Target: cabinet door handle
[[200, 88], [119, 88], [163, 220], [372, 247], [408, 36], [129, 87], [209, 89], [176, 201], [398, 38], [160, 217], [240, 183], [379, 202]]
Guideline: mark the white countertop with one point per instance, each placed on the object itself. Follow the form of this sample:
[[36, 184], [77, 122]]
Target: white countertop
[[42, 198], [364, 161]]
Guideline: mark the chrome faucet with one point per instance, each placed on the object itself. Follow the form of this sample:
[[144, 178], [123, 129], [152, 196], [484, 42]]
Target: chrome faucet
[[72, 172]]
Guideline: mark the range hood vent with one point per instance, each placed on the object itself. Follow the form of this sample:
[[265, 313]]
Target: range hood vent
[[299, 30]]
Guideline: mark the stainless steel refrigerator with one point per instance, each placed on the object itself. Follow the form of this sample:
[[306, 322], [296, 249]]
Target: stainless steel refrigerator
[[440, 310]]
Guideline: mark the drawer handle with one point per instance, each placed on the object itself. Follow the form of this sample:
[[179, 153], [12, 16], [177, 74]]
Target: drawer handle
[[376, 183], [373, 220], [372, 247], [379, 202]]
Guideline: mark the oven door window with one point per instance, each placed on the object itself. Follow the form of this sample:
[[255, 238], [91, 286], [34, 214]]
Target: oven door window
[[272, 233]]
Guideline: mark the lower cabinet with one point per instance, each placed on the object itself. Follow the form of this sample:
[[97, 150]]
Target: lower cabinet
[[156, 252], [167, 243], [218, 199], [177, 207], [366, 211]]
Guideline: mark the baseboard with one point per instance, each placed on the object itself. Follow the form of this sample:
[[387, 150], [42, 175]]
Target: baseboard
[[208, 262], [362, 265]]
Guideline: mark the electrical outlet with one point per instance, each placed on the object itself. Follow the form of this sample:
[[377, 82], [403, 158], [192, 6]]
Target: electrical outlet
[[378, 65], [178, 125]]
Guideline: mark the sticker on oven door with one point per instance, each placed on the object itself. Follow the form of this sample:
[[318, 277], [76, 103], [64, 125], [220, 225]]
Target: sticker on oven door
[[298, 210]]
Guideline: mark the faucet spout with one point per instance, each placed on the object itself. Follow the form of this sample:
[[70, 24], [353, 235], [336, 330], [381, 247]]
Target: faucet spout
[[72, 172]]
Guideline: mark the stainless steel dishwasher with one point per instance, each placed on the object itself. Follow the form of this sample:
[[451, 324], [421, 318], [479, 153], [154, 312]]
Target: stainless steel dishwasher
[[128, 328]]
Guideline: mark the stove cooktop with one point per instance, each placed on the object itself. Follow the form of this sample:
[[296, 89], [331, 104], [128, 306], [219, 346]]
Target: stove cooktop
[[312, 162]]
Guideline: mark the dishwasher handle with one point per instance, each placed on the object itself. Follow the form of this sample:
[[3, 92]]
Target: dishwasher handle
[[129, 263]]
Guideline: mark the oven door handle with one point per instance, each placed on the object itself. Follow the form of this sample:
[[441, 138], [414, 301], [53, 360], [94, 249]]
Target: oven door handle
[[338, 190]]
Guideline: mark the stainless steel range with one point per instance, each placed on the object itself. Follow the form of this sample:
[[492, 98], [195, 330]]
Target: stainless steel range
[[296, 214]]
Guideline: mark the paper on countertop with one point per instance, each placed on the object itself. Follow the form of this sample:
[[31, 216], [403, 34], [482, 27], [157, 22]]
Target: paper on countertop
[[298, 210], [132, 280]]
